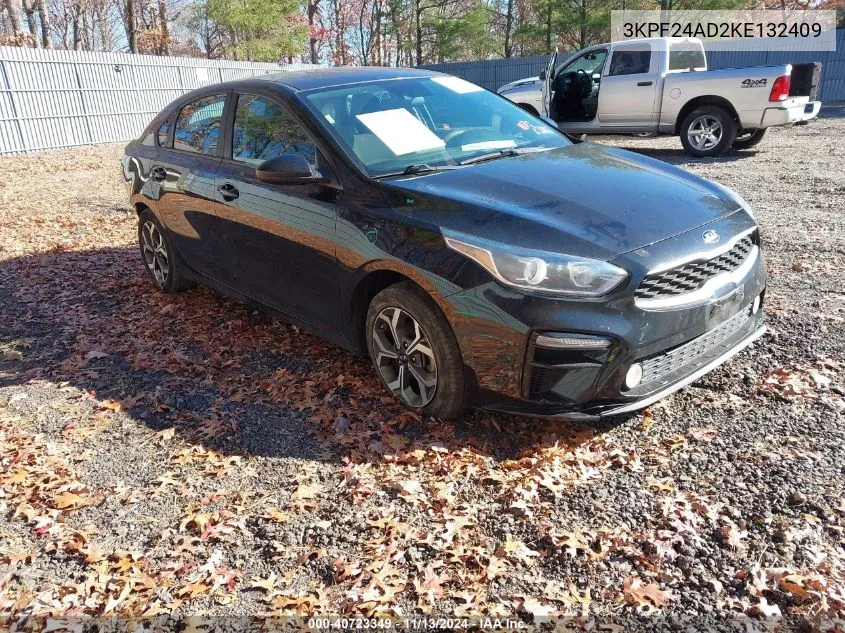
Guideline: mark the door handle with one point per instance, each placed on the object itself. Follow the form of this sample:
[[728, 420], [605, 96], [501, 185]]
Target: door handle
[[228, 191], [644, 83], [158, 173]]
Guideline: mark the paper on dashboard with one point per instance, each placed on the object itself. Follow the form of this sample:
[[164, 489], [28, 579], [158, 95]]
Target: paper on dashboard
[[401, 131]]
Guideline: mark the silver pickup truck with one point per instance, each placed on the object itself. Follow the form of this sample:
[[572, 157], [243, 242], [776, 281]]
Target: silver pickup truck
[[662, 86]]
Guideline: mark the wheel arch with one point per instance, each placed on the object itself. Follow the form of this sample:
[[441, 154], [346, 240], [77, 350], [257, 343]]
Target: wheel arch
[[712, 100], [375, 277], [140, 207]]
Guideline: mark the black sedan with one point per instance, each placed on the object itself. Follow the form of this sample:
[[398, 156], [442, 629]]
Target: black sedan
[[478, 256]]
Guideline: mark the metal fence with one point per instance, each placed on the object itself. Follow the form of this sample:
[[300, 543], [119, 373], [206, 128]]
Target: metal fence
[[52, 99], [494, 73]]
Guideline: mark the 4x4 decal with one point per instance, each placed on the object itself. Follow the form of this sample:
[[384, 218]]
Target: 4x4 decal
[[754, 83]]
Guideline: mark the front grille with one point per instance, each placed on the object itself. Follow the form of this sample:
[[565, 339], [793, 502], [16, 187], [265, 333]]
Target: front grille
[[657, 367], [693, 275]]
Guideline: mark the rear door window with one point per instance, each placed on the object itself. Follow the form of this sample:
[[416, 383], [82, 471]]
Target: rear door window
[[198, 125], [634, 60], [164, 134]]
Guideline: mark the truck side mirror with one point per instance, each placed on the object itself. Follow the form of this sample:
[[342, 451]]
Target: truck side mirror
[[542, 75]]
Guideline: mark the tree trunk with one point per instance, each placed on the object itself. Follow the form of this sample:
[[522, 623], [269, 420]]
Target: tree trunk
[[509, 29], [549, 26], [312, 40], [44, 19], [13, 8], [77, 26], [131, 26], [418, 26], [165, 31], [582, 35], [29, 11]]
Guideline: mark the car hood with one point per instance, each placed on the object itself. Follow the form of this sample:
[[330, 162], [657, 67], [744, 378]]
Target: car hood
[[519, 83], [586, 200]]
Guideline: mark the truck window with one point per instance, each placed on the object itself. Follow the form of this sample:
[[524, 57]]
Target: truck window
[[630, 61], [686, 56]]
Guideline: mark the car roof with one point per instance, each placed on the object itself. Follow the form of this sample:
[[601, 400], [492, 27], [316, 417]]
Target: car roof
[[325, 77]]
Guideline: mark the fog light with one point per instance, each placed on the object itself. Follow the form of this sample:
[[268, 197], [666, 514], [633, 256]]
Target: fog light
[[756, 305], [572, 341], [634, 376]]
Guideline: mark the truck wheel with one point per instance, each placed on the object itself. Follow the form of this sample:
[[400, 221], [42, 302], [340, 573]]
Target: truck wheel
[[749, 138], [708, 131]]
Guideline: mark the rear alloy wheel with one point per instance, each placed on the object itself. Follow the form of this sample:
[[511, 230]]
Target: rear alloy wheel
[[415, 352], [749, 138], [708, 131], [162, 263], [155, 253]]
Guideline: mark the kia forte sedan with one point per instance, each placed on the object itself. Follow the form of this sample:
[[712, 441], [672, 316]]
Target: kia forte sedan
[[473, 252]]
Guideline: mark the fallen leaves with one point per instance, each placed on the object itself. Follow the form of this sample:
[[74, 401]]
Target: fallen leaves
[[355, 506], [645, 595]]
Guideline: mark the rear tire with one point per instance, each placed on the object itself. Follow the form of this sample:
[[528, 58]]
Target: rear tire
[[749, 138], [161, 261], [708, 131], [415, 353]]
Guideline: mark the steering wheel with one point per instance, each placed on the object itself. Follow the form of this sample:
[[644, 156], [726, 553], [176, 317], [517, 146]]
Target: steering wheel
[[586, 82], [467, 137]]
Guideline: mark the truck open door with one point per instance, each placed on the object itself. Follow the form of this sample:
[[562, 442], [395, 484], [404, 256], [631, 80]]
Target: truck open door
[[546, 76]]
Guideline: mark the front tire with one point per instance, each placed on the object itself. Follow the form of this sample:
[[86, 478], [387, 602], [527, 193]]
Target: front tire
[[415, 353], [708, 131], [749, 138], [161, 261]]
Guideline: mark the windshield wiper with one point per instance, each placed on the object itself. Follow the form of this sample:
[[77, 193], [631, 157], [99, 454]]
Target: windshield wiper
[[504, 153], [499, 153], [418, 168]]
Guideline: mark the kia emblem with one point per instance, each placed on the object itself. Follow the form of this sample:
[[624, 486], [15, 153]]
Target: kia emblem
[[710, 237]]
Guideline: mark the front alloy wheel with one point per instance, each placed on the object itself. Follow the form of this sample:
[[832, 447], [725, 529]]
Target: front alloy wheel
[[404, 357], [155, 252], [414, 351]]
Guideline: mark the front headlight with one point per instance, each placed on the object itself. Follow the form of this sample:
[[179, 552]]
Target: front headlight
[[538, 271]]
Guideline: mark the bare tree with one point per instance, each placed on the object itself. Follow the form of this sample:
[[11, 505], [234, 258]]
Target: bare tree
[[130, 24], [312, 9], [13, 8], [44, 19]]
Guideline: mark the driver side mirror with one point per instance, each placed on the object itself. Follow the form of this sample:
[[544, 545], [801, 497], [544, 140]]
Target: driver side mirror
[[288, 169], [542, 75]]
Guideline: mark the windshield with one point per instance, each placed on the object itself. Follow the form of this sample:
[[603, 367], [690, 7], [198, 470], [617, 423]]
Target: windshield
[[591, 62], [427, 123]]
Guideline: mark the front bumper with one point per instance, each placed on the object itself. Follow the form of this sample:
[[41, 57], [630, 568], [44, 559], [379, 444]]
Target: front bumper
[[497, 330], [790, 115], [701, 366]]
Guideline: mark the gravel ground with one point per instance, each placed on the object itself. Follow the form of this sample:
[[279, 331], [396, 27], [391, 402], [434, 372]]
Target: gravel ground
[[184, 455]]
